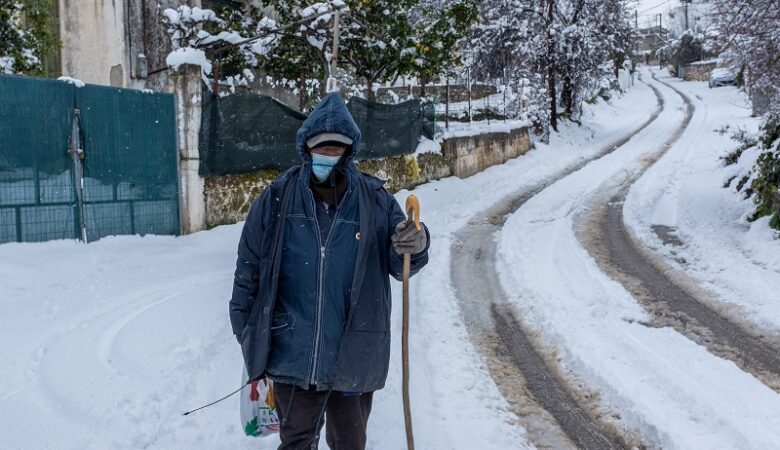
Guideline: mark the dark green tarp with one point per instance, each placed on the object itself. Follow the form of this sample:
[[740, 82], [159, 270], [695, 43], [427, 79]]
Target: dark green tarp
[[246, 132], [130, 164]]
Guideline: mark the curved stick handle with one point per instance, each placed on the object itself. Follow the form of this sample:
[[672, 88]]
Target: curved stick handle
[[413, 210]]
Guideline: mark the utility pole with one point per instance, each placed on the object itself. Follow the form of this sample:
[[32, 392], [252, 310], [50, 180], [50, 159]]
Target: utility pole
[[636, 28], [331, 85], [660, 36], [685, 7]]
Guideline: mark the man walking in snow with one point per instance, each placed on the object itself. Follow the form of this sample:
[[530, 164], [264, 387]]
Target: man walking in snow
[[311, 296]]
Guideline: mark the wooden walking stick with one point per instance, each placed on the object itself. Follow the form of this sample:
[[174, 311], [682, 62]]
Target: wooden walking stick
[[413, 211]]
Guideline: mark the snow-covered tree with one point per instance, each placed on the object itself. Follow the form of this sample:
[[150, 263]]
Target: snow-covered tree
[[226, 48], [439, 31], [25, 35], [559, 46], [511, 35]]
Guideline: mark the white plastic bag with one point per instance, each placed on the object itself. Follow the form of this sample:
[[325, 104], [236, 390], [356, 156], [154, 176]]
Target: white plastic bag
[[258, 408]]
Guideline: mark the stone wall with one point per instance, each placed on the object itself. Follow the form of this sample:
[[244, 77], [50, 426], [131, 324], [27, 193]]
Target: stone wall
[[469, 155], [697, 72], [228, 198]]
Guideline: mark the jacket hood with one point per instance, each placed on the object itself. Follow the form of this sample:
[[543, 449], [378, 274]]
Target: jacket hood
[[329, 116]]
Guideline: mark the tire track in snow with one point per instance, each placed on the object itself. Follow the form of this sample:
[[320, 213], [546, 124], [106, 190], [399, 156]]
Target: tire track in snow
[[672, 298], [521, 366]]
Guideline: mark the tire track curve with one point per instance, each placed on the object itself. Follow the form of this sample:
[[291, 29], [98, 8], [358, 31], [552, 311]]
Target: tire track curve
[[555, 414], [669, 296]]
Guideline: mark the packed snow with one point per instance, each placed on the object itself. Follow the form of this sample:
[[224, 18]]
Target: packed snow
[[188, 55], [661, 384], [108, 343], [737, 260]]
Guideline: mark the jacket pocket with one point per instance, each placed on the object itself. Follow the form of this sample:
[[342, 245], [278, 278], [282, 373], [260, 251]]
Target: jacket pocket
[[281, 323]]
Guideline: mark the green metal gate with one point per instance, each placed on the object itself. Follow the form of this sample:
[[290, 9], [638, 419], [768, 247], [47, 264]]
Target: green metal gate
[[85, 162]]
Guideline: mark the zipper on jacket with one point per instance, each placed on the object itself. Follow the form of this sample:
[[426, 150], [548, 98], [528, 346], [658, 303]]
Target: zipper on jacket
[[320, 289]]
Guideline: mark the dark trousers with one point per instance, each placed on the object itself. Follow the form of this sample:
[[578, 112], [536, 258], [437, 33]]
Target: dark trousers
[[302, 413]]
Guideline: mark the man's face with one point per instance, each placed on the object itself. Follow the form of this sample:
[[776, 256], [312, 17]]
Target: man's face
[[329, 150]]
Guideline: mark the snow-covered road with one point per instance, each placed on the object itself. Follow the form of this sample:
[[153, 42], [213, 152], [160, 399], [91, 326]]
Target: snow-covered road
[[683, 195], [669, 389], [105, 345]]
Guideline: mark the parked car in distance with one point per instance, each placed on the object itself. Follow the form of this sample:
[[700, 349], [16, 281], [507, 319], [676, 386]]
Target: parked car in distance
[[722, 76]]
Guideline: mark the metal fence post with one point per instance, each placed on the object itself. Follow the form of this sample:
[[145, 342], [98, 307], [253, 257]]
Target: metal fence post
[[468, 88], [77, 156], [447, 104]]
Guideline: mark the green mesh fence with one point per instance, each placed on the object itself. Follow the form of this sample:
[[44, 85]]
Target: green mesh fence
[[246, 132], [387, 130], [130, 173], [129, 167], [37, 200]]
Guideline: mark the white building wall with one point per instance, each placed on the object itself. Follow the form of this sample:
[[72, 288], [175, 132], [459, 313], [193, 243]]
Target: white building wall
[[94, 43]]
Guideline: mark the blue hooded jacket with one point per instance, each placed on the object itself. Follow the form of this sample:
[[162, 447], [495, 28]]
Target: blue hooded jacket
[[311, 309]]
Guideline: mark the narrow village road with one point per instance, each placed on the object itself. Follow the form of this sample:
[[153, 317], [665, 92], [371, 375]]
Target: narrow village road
[[672, 299], [555, 413], [632, 378]]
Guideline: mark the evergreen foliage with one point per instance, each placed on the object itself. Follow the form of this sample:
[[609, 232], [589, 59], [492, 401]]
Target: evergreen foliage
[[748, 34], [26, 35]]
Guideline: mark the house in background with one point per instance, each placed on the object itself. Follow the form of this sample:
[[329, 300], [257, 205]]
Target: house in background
[[117, 43]]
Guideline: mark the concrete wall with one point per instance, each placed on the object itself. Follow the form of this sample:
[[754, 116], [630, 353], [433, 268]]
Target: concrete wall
[[101, 41], [228, 198], [186, 86], [93, 41]]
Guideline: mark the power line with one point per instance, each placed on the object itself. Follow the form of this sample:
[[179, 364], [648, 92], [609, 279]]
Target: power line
[[656, 6]]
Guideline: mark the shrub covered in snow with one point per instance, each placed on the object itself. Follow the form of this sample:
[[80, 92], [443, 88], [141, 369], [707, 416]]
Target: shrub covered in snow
[[748, 30], [690, 46], [757, 175], [24, 43], [222, 46]]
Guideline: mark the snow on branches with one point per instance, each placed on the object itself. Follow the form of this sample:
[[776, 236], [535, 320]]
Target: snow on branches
[[233, 44], [22, 47], [750, 39], [565, 48]]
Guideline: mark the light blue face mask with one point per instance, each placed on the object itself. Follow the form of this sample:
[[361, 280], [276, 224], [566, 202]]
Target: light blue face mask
[[322, 165]]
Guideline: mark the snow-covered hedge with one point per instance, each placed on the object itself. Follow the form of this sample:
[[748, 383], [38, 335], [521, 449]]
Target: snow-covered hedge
[[757, 173]]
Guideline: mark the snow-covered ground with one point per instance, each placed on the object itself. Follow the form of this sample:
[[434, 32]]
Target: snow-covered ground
[[671, 390], [105, 345], [737, 260]]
